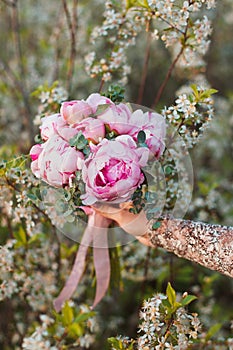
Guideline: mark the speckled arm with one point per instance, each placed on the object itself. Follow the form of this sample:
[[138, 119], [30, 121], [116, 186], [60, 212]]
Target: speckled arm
[[205, 244]]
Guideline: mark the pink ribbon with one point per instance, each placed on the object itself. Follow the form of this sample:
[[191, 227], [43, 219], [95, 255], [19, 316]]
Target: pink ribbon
[[96, 232]]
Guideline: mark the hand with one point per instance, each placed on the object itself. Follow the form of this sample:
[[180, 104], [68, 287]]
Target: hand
[[134, 224]]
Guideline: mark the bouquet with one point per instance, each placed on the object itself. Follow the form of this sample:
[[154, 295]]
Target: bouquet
[[96, 151]]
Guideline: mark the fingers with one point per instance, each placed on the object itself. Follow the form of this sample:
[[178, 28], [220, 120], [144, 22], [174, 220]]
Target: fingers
[[144, 240], [134, 224], [108, 211]]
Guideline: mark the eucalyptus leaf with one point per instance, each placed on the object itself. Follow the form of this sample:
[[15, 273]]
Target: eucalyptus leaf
[[141, 137]]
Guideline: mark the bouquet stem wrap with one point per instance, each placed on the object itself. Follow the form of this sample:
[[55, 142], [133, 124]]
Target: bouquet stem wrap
[[96, 232]]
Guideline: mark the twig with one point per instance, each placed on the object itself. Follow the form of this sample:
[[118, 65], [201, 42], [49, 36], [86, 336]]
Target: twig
[[101, 85], [22, 73], [145, 68], [170, 70], [72, 25], [55, 35], [8, 71], [9, 3], [168, 75]]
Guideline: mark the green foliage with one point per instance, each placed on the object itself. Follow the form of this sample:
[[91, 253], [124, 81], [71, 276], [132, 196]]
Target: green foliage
[[139, 199], [115, 93], [121, 344], [17, 164], [70, 323], [173, 305], [78, 141], [186, 300], [201, 95], [50, 97], [212, 331], [21, 238], [156, 225], [137, 3]]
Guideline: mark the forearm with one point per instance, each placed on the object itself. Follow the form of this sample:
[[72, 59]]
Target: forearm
[[205, 244]]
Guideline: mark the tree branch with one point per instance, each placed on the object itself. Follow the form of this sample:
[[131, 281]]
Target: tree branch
[[72, 21], [168, 75], [145, 66], [16, 29], [206, 244]]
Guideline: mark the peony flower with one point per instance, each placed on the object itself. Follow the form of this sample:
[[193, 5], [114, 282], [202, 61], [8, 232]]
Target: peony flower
[[93, 129], [154, 126], [35, 151], [117, 117], [113, 171], [34, 154], [95, 100], [120, 119], [50, 125], [55, 162], [74, 111]]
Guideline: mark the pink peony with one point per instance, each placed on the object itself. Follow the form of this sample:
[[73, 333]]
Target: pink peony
[[120, 119], [74, 111], [95, 100], [154, 126], [50, 125], [117, 117], [34, 154], [55, 161], [35, 151], [113, 170], [92, 129]]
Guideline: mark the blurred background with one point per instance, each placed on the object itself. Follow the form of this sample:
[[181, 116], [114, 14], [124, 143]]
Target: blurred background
[[36, 51]]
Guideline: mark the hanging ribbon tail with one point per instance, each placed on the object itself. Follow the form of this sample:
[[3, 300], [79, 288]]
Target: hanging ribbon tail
[[78, 267], [101, 257]]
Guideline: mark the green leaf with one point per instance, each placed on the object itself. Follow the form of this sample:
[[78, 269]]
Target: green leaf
[[168, 170], [32, 196], [87, 151], [78, 141], [82, 317], [18, 162], [212, 331], [115, 93], [141, 137], [156, 225], [201, 95], [36, 238], [188, 299], [67, 314], [20, 237], [66, 251], [207, 93], [101, 109], [136, 3], [195, 91], [75, 330], [171, 294], [166, 304], [115, 343]]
